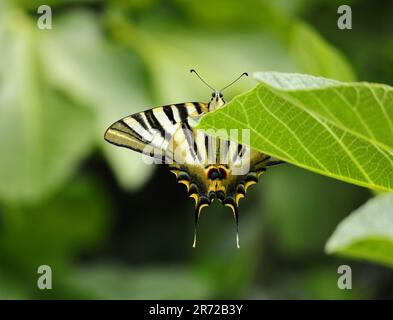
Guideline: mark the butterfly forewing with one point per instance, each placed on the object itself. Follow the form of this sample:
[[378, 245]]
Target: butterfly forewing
[[151, 131]]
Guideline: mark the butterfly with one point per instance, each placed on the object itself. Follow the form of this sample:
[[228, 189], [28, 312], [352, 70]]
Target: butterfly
[[210, 167]]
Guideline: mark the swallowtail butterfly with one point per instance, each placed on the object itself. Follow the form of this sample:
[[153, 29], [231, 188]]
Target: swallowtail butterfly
[[204, 164]]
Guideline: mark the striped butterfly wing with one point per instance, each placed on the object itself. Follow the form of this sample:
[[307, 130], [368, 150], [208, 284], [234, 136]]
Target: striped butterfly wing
[[151, 132], [227, 180], [162, 132]]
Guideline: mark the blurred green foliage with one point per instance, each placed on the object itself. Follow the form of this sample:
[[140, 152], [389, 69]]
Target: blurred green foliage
[[367, 232], [113, 227]]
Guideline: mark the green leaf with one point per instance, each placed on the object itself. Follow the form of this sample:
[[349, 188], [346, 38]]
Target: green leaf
[[367, 233], [40, 127], [341, 130], [361, 108]]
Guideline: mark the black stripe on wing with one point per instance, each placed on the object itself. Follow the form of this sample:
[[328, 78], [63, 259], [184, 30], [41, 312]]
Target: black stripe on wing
[[169, 113], [139, 119], [121, 129], [154, 123], [183, 114]]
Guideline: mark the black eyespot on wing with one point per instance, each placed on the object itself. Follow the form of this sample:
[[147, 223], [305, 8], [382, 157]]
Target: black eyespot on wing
[[240, 189], [193, 189], [220, 195], [204, 200], [183, 176], [251, 177], [222, 173], [213, 174]]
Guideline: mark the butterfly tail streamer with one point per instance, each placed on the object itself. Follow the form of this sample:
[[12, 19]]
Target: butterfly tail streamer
[[231, 203], [200, 203]]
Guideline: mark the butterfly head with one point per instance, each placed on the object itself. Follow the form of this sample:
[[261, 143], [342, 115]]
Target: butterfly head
[[217, 99]]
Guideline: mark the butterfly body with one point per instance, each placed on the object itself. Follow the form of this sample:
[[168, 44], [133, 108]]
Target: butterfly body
[[210, 167]]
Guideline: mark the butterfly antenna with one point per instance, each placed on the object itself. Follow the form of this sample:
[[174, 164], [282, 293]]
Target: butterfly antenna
[[200, 204], [243, 74], [193, 71]]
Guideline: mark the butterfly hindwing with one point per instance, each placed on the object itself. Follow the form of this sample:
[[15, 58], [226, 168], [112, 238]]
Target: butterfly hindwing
[[219, 178]]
